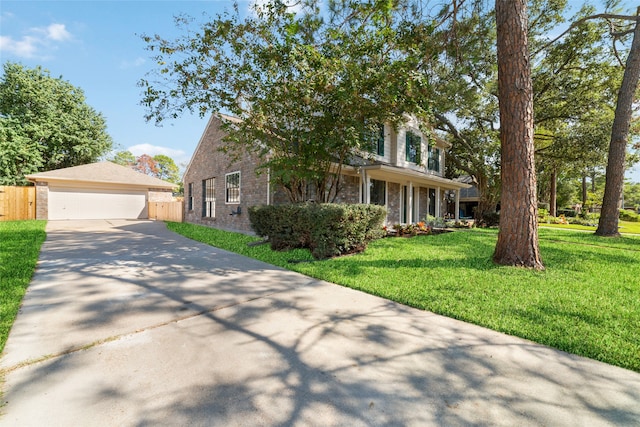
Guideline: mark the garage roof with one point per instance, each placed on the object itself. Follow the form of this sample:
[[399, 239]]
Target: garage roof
[[102, 172]]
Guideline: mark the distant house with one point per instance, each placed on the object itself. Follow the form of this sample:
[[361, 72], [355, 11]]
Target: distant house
[[469, 197], [404, 173], [102, 190]]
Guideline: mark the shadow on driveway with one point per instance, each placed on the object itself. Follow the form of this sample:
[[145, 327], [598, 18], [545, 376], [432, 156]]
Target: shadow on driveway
[[139, 326]]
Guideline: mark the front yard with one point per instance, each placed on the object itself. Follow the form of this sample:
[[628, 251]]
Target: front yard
[[586, 302]]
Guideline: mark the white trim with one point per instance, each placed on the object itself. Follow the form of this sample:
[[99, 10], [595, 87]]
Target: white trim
[[226, 199]]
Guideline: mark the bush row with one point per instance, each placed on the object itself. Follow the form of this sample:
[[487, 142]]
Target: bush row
[[630, 216], [326, 229]]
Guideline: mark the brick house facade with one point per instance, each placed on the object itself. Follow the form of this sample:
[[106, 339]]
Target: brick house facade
[[218, 192]]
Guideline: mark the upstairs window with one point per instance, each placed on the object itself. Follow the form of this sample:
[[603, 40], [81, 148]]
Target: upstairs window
[[208, 199], [374, 139], [433, 163], [232, 187], [413, 147]]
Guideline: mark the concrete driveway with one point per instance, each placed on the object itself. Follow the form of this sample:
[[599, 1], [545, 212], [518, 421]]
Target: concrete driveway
[[128, 324]]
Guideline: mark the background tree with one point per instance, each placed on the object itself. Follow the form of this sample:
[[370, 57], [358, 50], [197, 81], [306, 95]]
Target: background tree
[[306, 87], [167, 168], [609, 217], [52, 115], [159, 166], [123, 158], [575, 82], [632, 195], [518, 236], [147, 165], [18, 155]]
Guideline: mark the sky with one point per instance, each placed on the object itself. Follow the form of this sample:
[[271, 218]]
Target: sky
[[96, 46]]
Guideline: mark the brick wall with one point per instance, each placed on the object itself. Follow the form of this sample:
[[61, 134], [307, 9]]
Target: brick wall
[[350, 192], [423, 203], [393, 203], [42, 200], [209, 162]]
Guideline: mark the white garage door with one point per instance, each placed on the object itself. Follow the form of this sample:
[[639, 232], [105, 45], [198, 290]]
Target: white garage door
[[71, 203]]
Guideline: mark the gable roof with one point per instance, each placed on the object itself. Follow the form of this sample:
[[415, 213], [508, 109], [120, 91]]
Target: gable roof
[[102, 172]]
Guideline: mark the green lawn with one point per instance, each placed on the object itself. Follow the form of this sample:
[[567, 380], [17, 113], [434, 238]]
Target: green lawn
[[585, 302], [624, 227], [20, 243]]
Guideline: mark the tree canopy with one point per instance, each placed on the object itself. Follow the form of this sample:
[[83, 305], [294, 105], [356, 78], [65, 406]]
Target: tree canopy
[[45, 124], [159, 166], [306, 85]]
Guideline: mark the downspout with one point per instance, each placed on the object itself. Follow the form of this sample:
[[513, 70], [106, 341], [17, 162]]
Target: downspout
[[268, 186]]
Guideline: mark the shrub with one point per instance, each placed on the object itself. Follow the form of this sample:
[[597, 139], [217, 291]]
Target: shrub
[[435, 222], [631, 216], [489, 219], [566, 212], [286, 226], [326, 229]]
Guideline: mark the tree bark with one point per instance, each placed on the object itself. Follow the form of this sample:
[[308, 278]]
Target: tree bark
[[518, 236], [553, 193], [608, 224]]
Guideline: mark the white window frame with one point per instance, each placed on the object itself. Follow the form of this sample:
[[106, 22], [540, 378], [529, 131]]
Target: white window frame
[[208, 198], [228, 200]]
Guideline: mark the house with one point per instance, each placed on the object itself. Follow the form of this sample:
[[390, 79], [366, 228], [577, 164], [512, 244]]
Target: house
[[405, 173], [469, 197], [102, 190]]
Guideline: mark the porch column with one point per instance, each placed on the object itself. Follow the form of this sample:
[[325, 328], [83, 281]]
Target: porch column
[[457, 215], [438, 203], [367, 187], [410, 202]]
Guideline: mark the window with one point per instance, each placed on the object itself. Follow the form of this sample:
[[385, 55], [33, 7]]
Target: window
[[433, 164], [413, 147], [208, 199], [377, 192], [375, 140], [232, 187], [190, 196]]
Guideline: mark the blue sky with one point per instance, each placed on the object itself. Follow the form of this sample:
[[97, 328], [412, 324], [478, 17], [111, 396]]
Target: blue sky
[[95, 45]]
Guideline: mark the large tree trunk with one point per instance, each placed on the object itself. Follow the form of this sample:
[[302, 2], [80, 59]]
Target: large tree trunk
[[553, 194], [608, 224], [518, 237]]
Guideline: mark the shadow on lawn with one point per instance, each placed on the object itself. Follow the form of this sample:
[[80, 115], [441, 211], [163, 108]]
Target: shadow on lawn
[[307, 352]]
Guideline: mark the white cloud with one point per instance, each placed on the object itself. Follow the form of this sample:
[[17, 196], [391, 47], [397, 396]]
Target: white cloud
[[152, 150], [37, 40], [58, 32], [139, 61], [25, 48]]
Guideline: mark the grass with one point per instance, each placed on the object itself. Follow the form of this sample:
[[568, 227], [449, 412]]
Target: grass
[[625, 227], [20, 243], [585, 302]]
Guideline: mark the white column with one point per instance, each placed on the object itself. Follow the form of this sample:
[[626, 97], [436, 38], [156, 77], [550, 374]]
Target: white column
[[410, 201], [457, 215], [367, 188], [438, 203]]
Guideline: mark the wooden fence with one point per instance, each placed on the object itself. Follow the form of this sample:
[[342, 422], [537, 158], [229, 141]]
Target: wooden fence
[[17, 203], [166, 211]]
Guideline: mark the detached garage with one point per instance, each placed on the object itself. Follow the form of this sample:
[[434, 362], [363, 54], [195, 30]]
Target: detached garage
[[101, 190]]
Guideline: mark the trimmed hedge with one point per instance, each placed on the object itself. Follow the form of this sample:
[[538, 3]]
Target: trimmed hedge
[[631, 216], [326, 229]]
